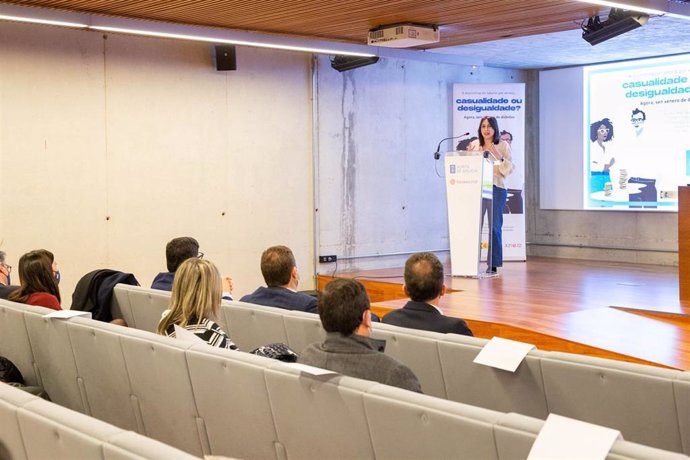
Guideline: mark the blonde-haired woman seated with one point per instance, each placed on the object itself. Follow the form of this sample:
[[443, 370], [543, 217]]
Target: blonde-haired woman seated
[[196, 295]]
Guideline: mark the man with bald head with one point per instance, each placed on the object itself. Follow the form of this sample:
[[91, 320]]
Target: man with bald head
[[424, 285]]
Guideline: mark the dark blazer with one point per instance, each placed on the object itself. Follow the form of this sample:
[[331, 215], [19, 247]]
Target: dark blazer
[[163, 281], [282, 298], [420, 315], [7, 290]]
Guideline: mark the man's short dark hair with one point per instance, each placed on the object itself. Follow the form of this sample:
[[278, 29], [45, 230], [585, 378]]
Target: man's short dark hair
[[342, 304], [180, 249], [277, 263], [423, 276]]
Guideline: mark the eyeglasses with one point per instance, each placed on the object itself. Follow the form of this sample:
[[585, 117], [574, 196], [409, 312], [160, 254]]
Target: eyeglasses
[[637, 120], [200, 255], [603, 130]]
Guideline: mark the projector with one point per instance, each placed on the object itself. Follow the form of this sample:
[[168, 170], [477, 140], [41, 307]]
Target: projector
[[618, 22], [403, 35]]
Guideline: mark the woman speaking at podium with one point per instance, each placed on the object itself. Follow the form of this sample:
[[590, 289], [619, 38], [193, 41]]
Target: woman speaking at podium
[[499, 151]]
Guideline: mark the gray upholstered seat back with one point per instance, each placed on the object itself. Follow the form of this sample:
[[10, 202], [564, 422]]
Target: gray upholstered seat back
[[635, 399], [14, 340], [303, 329], [418, 350], [103, 376], [251, 326], [521, 391], [319, 418], [52, 351], [162, 393], [230, 393], [681, 388], [407, 425], [35, 428]]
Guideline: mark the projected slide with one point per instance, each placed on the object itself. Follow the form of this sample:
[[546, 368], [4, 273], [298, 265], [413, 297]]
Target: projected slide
[[637, 144]]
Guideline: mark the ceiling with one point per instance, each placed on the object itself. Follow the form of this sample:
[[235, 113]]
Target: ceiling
[[502, 33]]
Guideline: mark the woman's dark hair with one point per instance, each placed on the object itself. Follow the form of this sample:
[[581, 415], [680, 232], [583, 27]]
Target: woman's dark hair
[[494, 124], [594, 127], [35, 275]]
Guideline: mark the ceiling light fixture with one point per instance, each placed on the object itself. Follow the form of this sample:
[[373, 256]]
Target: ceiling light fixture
[[44, 16], [653, 7], [42, 21], [211, 39], [19, 13]]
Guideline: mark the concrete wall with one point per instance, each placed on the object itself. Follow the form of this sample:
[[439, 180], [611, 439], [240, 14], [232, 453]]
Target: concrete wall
[[380, 192], [112, 145]]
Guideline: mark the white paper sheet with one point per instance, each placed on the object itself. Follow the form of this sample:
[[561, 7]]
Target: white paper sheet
[[186, 336], [503, 354], [310, 369], [67, 314], [563, 438]]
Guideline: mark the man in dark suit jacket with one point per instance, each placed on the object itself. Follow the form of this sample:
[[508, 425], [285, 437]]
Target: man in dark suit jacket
[[282, 277], [177, 251], [424, 285]]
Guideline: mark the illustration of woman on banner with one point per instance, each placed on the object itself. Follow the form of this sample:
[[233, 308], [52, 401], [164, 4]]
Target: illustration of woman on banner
[[601, 157]]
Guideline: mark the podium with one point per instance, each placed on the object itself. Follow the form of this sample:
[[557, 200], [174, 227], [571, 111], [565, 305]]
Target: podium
[[469, 191]]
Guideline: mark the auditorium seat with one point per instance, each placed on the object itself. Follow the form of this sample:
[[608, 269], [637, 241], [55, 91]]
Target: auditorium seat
[[320, 417], [624, 396], [150, 305], [251, 326], [521, 391], [33, 428], [14, 340], [162, 393], [440, 429], [302, 329], [681, 388], [53, 356], [418, 350], [637, 400], [103, 376], [231, 398]]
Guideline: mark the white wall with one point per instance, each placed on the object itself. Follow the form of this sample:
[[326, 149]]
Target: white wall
[[109, 147]]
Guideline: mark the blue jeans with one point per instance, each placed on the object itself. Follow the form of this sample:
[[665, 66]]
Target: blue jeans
[[496, 225]]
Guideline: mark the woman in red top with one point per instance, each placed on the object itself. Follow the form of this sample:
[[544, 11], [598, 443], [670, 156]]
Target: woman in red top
[[38, 286]]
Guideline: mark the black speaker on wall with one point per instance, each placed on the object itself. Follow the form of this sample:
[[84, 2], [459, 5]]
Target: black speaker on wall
[[225, 57]]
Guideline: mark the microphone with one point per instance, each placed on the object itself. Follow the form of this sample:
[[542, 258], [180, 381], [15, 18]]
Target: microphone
[[437, 153]]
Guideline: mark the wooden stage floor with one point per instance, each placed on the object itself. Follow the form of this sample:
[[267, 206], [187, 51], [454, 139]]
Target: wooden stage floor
[[612, 310]]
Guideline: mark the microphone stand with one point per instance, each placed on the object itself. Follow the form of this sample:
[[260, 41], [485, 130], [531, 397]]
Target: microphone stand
[[437, 153]]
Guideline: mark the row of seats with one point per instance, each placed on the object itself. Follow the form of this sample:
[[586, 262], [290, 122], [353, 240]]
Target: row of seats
[[206, 400], [647, 404], [33, 428]]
